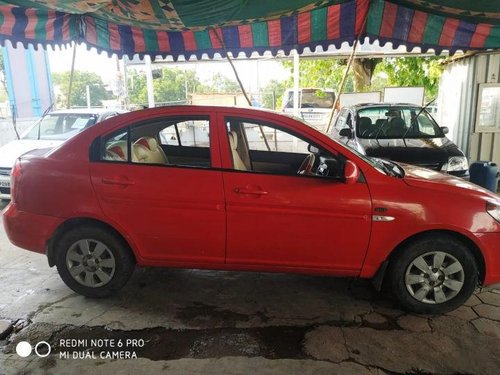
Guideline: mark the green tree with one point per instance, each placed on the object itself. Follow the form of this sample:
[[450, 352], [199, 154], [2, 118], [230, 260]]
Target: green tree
[[220, 84], [370, 74], [410, 71], [320, 73], [79, 89], [272, 94], [363, 69], [172, 85], [136, 88], [3, 81]]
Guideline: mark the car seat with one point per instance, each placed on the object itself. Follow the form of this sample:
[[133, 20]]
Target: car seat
[[364, 125], [233, 142], [116, 151], [396, 128], [147, 150]]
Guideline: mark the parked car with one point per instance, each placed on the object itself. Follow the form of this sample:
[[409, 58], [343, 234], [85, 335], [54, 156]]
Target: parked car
[[315, 105], [48, 132], [248, 189], [400, 132]]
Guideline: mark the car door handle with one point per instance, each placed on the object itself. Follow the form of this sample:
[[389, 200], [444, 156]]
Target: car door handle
[[116, 181], [249, 191]]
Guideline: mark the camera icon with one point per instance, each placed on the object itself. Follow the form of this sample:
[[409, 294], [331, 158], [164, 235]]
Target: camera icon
[[24, 349]]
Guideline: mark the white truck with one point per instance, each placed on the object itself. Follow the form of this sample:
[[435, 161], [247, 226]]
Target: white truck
[[315, 105]]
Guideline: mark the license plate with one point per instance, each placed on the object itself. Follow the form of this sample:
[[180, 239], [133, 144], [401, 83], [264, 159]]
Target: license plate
[[5, 184], [308, 116]]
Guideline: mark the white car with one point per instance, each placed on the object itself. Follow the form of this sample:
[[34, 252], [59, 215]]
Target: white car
[[48, 132]]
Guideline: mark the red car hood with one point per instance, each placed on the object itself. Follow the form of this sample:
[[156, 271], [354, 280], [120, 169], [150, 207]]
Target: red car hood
[[426, 178]]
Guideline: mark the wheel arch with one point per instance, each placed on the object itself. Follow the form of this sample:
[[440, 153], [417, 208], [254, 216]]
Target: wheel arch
[[379, 277], [75, 222]]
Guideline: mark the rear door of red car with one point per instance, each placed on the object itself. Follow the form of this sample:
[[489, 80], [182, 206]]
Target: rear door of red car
[[173, 209], [278, 218]]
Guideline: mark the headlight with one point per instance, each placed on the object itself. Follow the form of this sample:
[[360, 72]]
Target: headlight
[[456, 163], [493, 210]]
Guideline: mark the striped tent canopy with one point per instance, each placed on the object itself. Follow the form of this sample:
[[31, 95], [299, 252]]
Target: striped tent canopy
[[196, 27]]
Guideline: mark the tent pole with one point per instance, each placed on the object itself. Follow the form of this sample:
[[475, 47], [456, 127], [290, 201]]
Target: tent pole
[[68, 104], [344, 78], [247, 98], [149, 82], [341, 87], [241, 86], [296, 76], [233, 67], [239, 80]]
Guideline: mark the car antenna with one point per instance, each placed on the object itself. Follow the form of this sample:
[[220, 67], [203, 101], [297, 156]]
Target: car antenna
[[413, 120], [49, 108]]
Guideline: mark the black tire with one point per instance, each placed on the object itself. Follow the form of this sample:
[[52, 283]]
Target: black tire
[[116, 249], [425, 248]]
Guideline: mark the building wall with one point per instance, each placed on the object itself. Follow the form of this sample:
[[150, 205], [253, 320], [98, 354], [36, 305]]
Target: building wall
[[458, 100]]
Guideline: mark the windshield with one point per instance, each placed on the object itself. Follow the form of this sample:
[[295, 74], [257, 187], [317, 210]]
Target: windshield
[[312, 99], [396, 122], [60, 126]]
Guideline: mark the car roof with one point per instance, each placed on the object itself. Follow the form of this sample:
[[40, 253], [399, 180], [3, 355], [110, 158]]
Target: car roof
[[216, 108], [92, 111], [383, 104], [312, 89], [236, 111]]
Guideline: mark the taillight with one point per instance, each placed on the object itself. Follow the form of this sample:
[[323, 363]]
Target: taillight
[[15, 175]]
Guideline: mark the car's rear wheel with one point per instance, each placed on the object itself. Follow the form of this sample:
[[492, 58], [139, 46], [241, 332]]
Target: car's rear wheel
[[93, 261], [434, 274]]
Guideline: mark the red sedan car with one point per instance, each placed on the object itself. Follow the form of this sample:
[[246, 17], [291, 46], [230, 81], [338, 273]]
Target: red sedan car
[[245, 189]]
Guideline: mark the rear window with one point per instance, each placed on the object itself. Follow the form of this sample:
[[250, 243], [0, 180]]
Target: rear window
[[60, 126], [311, 98]]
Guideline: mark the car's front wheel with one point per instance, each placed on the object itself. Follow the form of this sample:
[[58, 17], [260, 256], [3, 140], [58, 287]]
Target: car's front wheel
[[93, 261], [434, 274]]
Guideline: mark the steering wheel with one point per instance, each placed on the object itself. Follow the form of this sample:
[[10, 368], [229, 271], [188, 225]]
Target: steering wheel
[[307, 165], [49, 131]]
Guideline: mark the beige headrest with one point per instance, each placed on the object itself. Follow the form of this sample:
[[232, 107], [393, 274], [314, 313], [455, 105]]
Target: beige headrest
[[117, 151], [148, 142], [147, 150], [233, 139]]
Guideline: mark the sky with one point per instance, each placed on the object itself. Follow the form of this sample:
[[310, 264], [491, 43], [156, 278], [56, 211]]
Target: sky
[[253, 73]]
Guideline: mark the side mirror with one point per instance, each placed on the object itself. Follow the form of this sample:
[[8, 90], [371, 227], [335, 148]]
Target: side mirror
[[351, 172], [312, 149], [346, 132], [445, 129]]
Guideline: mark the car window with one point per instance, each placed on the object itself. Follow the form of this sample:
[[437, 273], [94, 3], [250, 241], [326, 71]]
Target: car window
[[311, 98], [266, 138], [168, 141], [60, 126], [394, 122], [115, 147], [341, 120], [267, 148]]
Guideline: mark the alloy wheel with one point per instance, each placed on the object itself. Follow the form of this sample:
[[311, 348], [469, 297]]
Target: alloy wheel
[[91, 263], [434, 277]]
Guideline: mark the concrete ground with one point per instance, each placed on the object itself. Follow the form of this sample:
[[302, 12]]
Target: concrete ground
[[206, 322]]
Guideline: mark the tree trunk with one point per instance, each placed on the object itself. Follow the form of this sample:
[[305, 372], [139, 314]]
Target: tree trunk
[[363, 71]]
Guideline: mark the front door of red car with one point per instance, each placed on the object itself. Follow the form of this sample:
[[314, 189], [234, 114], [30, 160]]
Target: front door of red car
[[156, 182], [276, 217]]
